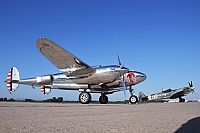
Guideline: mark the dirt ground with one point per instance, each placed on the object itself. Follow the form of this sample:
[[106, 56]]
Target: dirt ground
[[117, 118]]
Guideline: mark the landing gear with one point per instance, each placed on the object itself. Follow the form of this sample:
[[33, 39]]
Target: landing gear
[[103, 99], [85, 97], [133, 99], [181, 99]]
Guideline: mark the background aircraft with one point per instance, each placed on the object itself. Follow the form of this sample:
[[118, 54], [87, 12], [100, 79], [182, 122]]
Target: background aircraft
[[168, 94], [77, 75]]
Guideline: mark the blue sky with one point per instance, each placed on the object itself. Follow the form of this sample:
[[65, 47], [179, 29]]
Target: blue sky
[[160, 38]]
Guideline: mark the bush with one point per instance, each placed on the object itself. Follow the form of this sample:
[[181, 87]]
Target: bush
[[11, 100], [4, 99]]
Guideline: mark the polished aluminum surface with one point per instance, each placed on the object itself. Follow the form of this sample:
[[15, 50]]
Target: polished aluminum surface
[[62, 59], [76, 74]]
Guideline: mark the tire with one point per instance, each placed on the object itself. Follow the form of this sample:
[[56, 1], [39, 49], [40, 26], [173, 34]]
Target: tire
[[133, 99], [84, 98], [181, 100], [103, 99]]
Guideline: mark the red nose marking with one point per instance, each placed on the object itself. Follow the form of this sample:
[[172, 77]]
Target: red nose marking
[[130, 75]]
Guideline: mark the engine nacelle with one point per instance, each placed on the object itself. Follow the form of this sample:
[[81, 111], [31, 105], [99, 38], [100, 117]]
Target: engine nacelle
[[45, 89], [44, 79]]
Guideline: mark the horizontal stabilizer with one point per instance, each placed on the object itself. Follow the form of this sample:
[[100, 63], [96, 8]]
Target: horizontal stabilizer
[[13, 79]]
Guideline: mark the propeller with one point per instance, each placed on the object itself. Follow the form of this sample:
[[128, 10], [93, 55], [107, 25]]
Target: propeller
[[123, 79], [120, 64], [124, 85], [191, 87], [190, 84]]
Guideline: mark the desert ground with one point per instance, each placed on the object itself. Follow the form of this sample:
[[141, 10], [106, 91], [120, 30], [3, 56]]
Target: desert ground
[[117, 118]]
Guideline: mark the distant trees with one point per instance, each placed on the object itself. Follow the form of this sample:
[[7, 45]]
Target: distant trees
[[29, 100], [57, 100], [5, 99], [11, 100], [60, 99], [54, 99]]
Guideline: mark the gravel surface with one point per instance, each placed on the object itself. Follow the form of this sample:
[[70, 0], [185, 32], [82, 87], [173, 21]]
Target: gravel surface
[[117, 118]]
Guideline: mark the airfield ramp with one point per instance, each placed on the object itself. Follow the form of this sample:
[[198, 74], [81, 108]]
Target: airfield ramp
[[118, 118]]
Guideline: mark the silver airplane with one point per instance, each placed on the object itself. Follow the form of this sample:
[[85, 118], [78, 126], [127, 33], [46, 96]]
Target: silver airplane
[[77, 75], [168, 94]]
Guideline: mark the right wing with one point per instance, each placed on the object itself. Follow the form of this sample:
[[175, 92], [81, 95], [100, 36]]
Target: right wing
[[177, 94], [69, 64]]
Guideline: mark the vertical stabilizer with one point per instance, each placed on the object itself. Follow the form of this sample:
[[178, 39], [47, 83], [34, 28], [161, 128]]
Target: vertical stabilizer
[[13, 78], [142, 97]]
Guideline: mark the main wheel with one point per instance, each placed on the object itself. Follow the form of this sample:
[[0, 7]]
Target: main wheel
[[103, 99], [181, 100], [133, 99], [84, 98]]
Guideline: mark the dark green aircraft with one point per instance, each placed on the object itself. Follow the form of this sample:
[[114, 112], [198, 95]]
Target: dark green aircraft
[[168, 94]]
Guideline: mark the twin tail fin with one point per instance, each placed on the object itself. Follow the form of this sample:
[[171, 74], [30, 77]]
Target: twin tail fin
[[13, 78]]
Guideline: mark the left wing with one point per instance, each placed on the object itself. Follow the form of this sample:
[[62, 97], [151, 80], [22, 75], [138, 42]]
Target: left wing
[[62, 59]]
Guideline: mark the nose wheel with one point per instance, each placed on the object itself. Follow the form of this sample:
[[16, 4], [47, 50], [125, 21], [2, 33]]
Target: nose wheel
[[133, 99]]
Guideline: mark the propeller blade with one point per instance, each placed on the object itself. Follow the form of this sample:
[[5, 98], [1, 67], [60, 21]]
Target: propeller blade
[[120, 64], [191, 87], [124, 86], [123, 79], [193, 92], [190, 84]]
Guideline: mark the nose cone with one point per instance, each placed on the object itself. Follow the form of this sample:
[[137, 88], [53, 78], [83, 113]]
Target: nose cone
[[140, 76]]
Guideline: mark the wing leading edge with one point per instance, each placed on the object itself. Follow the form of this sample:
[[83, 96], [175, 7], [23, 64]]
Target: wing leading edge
[[66, 62]]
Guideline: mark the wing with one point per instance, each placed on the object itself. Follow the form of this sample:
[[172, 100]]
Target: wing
[[177, 94], [62, 59]]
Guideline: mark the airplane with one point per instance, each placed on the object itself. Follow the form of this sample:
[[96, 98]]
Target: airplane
[[77, 75], [168, 94]]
